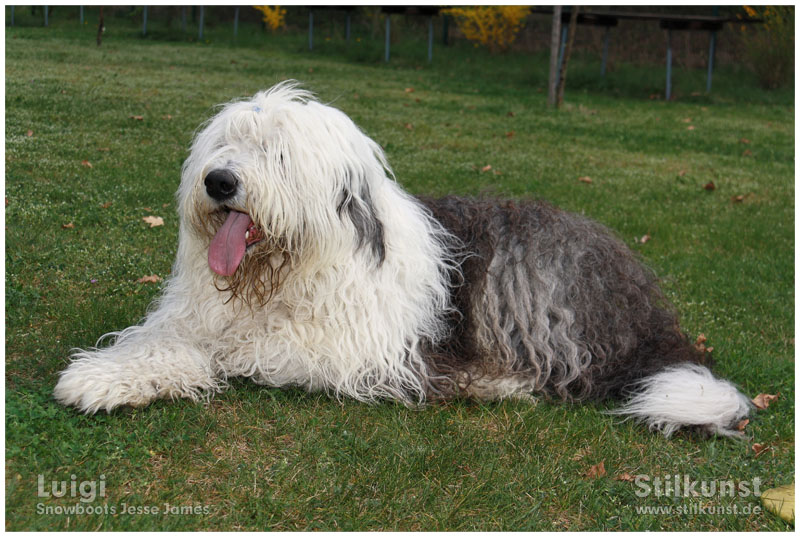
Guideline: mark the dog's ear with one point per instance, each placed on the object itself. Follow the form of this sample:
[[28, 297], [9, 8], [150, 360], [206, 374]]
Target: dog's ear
[[358, 207]]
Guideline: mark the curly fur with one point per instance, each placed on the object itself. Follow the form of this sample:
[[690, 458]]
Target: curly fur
[[362, 290]]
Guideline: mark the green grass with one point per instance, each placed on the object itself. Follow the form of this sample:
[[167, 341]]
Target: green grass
[[259, 458]]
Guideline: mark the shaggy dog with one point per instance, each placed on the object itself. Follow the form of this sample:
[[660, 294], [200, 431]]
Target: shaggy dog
[[301, 262]]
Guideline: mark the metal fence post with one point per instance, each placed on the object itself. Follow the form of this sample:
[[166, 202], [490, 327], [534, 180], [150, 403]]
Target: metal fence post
[[310, 30], [388, 34], [669, 65]]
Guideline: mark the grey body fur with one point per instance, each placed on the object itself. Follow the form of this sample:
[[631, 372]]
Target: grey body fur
[[549, 302]]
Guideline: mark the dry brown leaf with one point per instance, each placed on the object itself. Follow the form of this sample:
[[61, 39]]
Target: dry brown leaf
[[690, 128], [762, 400], [106, 205], [67, 226], [645, 238], [409, 126], [758, 449], [747, 153], [86, 163], [687, 120], [153, 220], [104, 149], [710, 186], [149, 279], [168, 116], [486, 168], [585, 179], [737, 199], [510, 134], [409, 90], [681, 173], [137, 118], [744, 141], [625, 477], [598, 470], [29, 133], [742, 424], [510, 114]]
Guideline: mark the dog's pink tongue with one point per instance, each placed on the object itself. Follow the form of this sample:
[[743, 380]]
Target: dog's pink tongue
[[228, 245]]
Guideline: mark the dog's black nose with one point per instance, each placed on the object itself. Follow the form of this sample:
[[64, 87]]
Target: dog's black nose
[[221, 184]]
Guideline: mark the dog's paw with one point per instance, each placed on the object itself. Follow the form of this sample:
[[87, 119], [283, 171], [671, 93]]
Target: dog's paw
[[102, 385]]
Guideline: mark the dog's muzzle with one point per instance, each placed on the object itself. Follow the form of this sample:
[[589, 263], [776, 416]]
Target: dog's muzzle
[[221, 184]]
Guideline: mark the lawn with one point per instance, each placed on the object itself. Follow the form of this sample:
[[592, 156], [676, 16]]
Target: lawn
[[95, 137]]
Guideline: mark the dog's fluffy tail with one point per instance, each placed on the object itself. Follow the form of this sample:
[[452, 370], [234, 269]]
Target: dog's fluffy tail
[[686, 395]]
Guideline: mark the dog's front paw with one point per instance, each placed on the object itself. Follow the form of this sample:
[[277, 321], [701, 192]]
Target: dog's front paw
[[92, 385]]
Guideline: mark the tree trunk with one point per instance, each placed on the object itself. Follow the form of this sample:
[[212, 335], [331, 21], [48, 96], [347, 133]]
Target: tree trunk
[[555, 38], [562, 79], [100, 28]]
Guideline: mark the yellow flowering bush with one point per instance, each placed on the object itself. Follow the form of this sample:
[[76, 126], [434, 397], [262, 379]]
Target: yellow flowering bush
[[770, 46], [494, 27], [273, 16]]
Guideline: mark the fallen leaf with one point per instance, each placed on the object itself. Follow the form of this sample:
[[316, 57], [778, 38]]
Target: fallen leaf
[[137, 118], [149, 279], [598, 470], [86, 163], [106, 205], [645, 238], [744, 141], [737, 199], [310, 69], [690, 128], [168, 116], [29, 133], [747, 153], [164, 205], [700, 343], [780, 501], [762, 400], [742, 424], [585, 179], [510, 114], [67, 226], [758, 449], [409, 90], [681, 173], [654, 96], [510, 134], [486, 168], [687, 120], [710, 186], [153, 220], [625, 477]]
